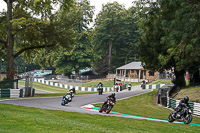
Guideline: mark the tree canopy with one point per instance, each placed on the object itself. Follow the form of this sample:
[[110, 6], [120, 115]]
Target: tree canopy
[[169, 33], [31, 25], [115, 36]]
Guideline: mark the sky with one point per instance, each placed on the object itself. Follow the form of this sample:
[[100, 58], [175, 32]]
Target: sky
[[96, 3]]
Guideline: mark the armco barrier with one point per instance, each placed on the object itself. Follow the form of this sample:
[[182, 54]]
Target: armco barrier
[[13, 93], [70, 86], [155, 86]]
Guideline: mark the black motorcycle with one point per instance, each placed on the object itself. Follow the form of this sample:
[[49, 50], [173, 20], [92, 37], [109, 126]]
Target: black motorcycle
[[108, 106], [66, 99], [185, 115], [100, 90]]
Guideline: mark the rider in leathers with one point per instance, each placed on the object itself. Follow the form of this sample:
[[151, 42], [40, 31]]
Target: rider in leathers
[[182, 104], [110, 96]]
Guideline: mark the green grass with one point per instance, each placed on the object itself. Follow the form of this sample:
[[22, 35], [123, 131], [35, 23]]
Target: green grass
[[192, 92], [45, 87], [161, 81], [18, 119], [165, 81], [57, 91], [142, 105], [106, 83]]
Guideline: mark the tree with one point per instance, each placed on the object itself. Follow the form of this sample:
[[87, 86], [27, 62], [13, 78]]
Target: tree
[[30, 25], [107, 28], [169, 31], [79, 54], [115, 37]]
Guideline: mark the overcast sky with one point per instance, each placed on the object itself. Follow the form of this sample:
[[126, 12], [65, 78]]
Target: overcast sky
[[96, 3]]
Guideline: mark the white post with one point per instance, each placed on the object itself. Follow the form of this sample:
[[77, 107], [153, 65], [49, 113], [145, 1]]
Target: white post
[[139, 75]]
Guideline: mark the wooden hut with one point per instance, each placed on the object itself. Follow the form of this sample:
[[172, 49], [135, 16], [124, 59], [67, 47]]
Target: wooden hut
[[134, 72]]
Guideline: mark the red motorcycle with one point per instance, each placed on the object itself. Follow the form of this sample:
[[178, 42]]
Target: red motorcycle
[[107, 107], [116, 88]]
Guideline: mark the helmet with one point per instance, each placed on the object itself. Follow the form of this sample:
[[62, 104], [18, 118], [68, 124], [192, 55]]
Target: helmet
[[186, 99], [113, 94]]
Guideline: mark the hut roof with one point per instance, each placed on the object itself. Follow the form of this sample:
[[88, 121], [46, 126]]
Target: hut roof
[[132, 65]]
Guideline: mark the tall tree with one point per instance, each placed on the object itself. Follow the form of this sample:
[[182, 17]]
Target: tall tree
[[79, 54], [34, 20], [115, 37], [169, 35], [108, 28]]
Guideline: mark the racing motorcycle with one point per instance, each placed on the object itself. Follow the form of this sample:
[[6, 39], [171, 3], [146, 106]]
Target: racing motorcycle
[[129, 87], [100, 90], [108, 106], [116, 88], [185, 115], [66, 98]]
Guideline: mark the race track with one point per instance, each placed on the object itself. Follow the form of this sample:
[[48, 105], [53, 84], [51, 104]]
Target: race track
[[82, 104], [54, 103]]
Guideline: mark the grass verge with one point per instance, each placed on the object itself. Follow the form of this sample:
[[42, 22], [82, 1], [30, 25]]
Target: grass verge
[[20, 119], [57, 91], [161, 81], [142, 105], [192, 92], [106, 83]]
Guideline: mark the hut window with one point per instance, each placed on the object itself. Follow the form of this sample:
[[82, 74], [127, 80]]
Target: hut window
[[151, 73]]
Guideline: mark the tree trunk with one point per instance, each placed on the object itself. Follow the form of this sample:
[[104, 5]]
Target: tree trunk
[[180, 79], [77, 73], [10, 44], [109, 56]]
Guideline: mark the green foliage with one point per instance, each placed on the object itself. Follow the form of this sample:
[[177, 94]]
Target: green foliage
[[78, 54], [169, 32], [115, 37], [32, 25]]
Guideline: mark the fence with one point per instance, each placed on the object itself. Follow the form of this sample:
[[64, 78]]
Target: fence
[[155, 86], [13, 93], [71, 86]]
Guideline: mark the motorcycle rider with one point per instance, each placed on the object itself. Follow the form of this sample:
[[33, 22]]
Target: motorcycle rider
[[110, 96], [100, 88], [182, 104], [129, 86], [68, 96], [100, 84]]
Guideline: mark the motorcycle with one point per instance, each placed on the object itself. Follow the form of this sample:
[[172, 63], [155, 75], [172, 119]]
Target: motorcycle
[[108, 106], [66, 99], [143, 84], [185, 115], [116, 88], [100, 90], [129, 87]]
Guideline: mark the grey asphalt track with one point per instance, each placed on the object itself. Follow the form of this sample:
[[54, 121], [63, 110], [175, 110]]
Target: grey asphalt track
[[54, 103]]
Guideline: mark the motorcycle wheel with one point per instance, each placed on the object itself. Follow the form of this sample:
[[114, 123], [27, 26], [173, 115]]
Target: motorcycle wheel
[[187, 119], [170, 118], [109, 109], [63, 103]]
